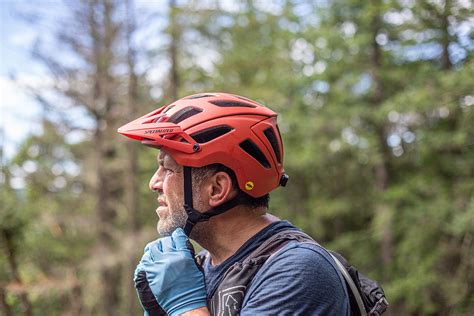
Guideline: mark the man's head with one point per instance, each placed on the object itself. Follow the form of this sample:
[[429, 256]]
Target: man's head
[[212, 185], [229, 144]]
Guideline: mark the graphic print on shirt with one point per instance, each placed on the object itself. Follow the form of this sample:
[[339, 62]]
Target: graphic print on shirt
[[230, 299]]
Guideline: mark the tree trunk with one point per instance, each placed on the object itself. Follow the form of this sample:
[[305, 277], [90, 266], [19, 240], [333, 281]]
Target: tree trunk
[[76, 299], [103, 32], [101, 24], [4, 307], [174, 75], [382, 176], [12, 262], [445, 59], [110, 272], [131, 185]]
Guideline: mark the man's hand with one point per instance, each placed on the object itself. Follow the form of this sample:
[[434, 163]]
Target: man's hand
[[167, 277]]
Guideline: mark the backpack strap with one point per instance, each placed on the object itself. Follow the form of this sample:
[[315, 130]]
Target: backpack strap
[[352, 286]]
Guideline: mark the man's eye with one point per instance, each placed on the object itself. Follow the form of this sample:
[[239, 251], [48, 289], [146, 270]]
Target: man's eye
[[167, 169]]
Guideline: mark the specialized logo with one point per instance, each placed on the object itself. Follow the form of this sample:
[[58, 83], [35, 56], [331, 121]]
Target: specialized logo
[[159, 131], [249, 185]]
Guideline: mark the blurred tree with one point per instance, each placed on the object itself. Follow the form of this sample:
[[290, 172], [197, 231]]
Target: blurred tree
[[432, 48], [433, 195], [97, 91], [174, 32], [332, 75], [130, 185], [96, 82], [44, 233], [375, 103], [12, 225]]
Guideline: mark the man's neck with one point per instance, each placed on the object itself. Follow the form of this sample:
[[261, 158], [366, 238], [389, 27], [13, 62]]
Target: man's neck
[[223, 235]]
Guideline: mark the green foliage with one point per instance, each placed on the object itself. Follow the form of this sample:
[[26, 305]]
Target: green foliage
[[345, 114]]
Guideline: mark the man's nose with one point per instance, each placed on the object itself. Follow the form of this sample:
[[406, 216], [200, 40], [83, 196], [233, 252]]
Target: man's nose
[[155, 182]]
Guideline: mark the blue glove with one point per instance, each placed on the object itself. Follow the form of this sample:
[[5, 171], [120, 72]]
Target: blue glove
[[167, 277]]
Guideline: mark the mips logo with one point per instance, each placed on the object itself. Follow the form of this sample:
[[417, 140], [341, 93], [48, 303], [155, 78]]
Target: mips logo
[[249, 185]]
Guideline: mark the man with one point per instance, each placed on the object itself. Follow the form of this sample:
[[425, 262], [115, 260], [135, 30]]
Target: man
[[220, 156]]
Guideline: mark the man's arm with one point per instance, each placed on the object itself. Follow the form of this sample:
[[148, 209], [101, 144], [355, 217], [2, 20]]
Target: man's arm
[[202, 311]]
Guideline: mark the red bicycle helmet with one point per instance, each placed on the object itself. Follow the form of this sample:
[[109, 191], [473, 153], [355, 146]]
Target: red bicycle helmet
[[209, 128]]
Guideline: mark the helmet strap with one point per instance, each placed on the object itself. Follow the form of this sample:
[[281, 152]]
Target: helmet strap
[[194, 216]]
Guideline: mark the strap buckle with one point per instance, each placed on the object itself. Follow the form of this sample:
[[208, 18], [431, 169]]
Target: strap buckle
[[379, 308]]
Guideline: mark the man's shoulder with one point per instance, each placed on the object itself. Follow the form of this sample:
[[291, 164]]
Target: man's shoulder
[[302, 256], [304, 264], [301, 278]]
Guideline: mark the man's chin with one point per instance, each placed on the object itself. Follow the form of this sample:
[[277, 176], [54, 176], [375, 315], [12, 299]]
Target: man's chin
[[165, 229], [168, 222]]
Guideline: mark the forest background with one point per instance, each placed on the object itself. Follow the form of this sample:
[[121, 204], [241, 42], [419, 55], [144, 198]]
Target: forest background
[[375, 102]]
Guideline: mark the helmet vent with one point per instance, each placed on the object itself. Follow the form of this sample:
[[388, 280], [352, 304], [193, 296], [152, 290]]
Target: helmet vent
[[270, 134], [230, 104], [245, 99], [160, 119], [183, 114], [252, 149], [169, 107], [198, 96], [209, 134]]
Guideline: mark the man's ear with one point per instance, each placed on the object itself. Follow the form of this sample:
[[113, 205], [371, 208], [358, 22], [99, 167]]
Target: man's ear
[[220, 188]]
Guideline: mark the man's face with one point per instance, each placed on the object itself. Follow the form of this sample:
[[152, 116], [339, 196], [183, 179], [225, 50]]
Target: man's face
[[168, 183]]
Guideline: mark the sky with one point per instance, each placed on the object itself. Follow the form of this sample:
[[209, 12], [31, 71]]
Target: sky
[[17, 68], [19, 113]]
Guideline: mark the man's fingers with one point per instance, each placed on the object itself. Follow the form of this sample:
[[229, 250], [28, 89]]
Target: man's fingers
[[177, 241], [167, 244], [151, 245], [147, 298], [155, 249], [180, 239], [146, 255]]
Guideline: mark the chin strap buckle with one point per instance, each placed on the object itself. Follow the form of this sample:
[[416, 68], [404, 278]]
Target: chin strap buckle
[[194, 217]]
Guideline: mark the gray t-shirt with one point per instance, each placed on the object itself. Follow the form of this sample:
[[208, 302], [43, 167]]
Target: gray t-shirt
[[300, 279]]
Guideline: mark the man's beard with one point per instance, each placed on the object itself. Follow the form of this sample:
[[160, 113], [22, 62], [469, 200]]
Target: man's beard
[[175, 219], [178, 217]]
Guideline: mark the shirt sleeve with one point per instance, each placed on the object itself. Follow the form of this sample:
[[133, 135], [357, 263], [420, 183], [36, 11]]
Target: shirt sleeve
[[300, 279]]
